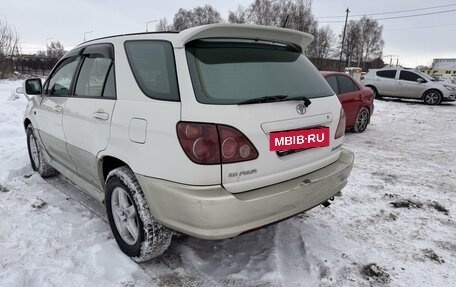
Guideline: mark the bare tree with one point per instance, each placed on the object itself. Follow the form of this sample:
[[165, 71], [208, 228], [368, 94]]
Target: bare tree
[[322, 45], [55, 50], [163, 25], [371, 39], [363, 40], [184, 19], [263, 12], [8, 46], [238, 17]]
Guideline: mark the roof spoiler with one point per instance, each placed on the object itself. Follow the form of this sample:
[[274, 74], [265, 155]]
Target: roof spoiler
[[258, 32]]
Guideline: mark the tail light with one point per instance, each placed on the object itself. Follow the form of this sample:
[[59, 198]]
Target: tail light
[[214, 144], [341, 126]]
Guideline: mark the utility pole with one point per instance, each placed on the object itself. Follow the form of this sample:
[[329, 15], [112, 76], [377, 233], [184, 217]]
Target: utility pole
[[343, 37], [85, 33], [147, 24]]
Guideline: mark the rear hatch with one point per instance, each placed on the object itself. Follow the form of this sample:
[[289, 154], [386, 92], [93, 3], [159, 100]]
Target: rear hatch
[[259, 88]]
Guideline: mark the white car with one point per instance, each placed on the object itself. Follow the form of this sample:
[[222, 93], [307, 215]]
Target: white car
[[405, 83], [211, 132]]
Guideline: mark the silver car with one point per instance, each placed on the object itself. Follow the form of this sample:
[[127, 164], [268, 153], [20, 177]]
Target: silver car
[[405, 83]]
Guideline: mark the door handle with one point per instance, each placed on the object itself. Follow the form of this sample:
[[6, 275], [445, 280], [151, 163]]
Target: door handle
[[58, 109], [101, 116]]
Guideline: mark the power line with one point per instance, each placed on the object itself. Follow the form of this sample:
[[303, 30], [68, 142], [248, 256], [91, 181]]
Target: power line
[[420, 27], [399, 17], [391, 12]]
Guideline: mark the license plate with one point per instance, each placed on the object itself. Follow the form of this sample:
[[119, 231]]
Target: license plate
[[299, 139]]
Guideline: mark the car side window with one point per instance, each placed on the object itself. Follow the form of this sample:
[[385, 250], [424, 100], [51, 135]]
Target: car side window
[[409, 76], [153, 66], [390, 74], [346, 85], [93, 76], [60, 82], [332, 81]]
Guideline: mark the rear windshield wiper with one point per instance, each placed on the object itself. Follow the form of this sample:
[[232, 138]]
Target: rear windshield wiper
[[268, 99], [306, 100], [277, 98]]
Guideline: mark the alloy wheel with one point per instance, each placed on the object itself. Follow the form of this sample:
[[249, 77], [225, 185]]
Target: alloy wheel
[[125, 215]]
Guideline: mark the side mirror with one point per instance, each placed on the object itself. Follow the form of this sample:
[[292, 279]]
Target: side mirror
[[33, 87], [420, 80], [20, 91]]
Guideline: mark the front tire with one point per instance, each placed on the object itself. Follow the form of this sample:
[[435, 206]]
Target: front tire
[[36, 154], [432, 97], [136, 231], [362, 120]]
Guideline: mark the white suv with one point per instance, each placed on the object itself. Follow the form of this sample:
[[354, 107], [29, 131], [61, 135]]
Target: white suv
[[405, 83], [210, 132]]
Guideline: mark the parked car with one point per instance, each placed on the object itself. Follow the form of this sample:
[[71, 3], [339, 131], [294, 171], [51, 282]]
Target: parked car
[[405, 83], [211, 132], [357, 101]]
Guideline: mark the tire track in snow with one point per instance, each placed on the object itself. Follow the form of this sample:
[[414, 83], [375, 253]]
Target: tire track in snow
[[293, 264]]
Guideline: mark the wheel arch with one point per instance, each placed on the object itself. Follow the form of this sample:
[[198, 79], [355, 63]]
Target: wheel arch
[[432, 89], [27, 122], [106, 164], [371, 86]]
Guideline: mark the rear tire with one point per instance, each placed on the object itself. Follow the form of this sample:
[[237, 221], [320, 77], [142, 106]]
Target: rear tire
[[432, 97], [361, 121], [36, 154], [136, 231]]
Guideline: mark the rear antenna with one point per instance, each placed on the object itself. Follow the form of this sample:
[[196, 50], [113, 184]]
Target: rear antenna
[[286, 20]]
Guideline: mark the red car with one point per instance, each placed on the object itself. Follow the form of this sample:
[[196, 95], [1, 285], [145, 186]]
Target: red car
[[357, 101]]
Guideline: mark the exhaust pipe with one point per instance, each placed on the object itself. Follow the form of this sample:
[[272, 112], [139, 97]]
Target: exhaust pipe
[[326, 203]]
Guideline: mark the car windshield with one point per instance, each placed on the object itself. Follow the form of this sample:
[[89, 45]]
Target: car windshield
[[231, 71]]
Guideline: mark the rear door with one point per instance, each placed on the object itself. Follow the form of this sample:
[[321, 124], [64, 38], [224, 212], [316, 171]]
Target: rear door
[[49, 113], [88, 111], [226, 73], [385, 82], [349, 96], [408, 85]]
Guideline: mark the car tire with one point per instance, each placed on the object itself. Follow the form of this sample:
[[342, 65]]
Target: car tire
[[36, 154], [136, 231], [376, 94], [362, 120], [432, 97]]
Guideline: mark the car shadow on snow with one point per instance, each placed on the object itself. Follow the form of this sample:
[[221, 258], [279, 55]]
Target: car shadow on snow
[[413, 102]]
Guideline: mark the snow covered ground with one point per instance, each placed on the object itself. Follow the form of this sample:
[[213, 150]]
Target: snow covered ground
[[394, 223]]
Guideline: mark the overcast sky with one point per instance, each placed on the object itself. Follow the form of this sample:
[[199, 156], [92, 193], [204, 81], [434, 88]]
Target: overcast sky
[[416, 40]]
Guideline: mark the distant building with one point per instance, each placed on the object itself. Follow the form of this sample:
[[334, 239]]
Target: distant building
[[445, 68], [447, 65]]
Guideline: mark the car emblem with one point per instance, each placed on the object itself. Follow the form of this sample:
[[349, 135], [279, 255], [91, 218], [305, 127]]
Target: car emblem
[[301, 109]]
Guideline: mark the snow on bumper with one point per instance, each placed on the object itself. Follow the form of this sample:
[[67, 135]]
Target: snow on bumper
[[211, 212]]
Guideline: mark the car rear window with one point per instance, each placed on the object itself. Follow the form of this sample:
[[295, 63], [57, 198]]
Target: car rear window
[[230, 71], [152, 63], [387, 74], [346, 85]]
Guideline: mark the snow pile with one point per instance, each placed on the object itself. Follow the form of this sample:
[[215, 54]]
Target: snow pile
[[394, 223], [47, 239]]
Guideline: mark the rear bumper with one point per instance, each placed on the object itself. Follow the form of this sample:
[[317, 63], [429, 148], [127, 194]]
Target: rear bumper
[[211, 212]]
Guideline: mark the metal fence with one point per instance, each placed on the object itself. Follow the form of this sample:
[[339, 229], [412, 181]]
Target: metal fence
[[33, 65]]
